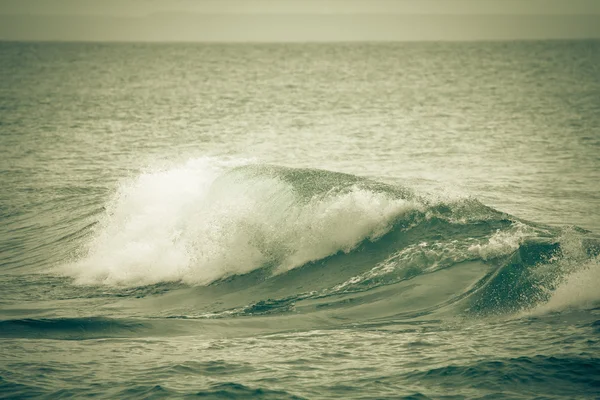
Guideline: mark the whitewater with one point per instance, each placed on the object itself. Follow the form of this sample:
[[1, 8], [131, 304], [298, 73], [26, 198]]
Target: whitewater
[[401, 220]]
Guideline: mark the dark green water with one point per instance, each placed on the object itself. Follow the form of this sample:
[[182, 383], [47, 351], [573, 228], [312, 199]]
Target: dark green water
[[413, 220]]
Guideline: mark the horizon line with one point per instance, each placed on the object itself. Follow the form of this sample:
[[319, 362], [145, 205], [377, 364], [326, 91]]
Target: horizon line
[[342, 14], [300, 42]]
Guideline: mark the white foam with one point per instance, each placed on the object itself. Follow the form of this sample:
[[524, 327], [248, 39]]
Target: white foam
[[139, 237], [502, 242], [193, 224], [578, 290], [576, 278], [429, 257]]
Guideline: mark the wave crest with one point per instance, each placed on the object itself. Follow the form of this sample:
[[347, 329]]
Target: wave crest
[[205, 220]]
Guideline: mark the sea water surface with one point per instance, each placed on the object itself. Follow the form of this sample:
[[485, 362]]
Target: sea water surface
[[402, 220]]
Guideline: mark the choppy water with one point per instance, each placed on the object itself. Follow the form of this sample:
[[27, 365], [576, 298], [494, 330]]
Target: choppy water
[[412, 220]]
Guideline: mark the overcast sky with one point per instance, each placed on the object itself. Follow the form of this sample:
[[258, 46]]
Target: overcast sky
[[144, 7], [297, 20]]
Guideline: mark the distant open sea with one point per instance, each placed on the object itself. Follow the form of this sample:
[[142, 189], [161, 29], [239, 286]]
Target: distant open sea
[[300, 221]]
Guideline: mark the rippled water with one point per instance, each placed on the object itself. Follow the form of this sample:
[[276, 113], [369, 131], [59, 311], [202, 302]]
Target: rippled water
[[412, 220]]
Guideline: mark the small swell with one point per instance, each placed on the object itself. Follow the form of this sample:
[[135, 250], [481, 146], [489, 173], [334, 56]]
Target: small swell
[[71, 328], [231, 390], [538, 375]]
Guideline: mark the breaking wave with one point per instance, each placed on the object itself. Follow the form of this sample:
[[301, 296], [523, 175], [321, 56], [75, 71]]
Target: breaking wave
[[306, 239]]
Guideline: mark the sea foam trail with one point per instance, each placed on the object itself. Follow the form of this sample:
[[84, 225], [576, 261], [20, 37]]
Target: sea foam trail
[[205, 220]]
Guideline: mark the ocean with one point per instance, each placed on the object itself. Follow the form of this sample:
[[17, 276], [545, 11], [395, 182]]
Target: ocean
[[300, 221]]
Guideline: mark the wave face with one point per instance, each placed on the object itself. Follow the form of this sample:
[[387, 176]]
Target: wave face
[[293, 240]]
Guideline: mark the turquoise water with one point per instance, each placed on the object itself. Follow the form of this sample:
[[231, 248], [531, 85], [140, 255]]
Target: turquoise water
[[404, 220]]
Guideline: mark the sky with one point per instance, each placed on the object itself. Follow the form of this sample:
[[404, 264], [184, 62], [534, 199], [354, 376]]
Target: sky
[[297, 20]]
